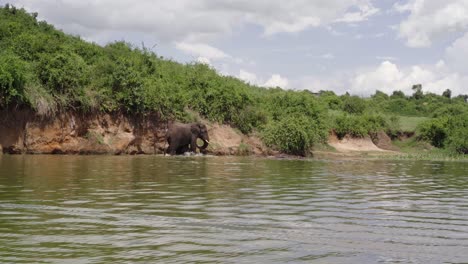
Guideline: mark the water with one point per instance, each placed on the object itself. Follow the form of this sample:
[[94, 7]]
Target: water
[[149, 209]]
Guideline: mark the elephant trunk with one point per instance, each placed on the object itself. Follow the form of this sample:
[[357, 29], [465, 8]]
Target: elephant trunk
[[205, 143]]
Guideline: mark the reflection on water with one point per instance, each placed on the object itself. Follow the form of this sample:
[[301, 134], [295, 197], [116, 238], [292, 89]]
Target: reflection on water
[[95, 209]]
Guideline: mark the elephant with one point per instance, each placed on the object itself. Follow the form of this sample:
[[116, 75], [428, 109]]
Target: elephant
[[183, 137]]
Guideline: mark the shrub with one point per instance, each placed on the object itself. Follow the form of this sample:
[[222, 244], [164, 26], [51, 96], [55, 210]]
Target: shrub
[[434, 131], [293, 134], [375, 123], [458, 140], [12, 79], [351, 125], [394, 126], [354, 105], [457, 134], [280, 103], [249, 118], [450, 110], [63, 72], [359, 125]]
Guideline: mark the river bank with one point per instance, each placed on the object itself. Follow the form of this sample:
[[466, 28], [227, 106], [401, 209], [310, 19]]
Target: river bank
[[24, 132]]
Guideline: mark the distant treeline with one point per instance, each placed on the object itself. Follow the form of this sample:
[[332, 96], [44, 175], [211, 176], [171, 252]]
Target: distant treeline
[[43, 69]]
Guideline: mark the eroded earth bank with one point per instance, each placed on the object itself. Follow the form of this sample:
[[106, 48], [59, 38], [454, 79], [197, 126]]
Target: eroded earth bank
[[22, 131]]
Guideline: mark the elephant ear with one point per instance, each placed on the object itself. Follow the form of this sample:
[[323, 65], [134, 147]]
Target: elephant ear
[[195, 128]]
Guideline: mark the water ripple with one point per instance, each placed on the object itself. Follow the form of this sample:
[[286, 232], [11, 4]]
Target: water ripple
[[231, 210]]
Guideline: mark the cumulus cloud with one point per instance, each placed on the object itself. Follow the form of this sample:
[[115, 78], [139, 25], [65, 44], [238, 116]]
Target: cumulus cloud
[[202, 50], [457, 54], [204, 60], [431, 19], [365, 10], [388, 77], [194, 21], [248, 77], [275, 80]]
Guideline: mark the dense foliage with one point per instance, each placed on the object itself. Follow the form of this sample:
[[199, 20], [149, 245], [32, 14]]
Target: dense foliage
[[42, 68]]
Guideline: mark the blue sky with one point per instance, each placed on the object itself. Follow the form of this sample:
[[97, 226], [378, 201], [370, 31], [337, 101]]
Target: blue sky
[[354, 46]]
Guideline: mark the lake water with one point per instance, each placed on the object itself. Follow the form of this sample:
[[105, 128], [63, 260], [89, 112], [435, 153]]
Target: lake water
[[152, 209]]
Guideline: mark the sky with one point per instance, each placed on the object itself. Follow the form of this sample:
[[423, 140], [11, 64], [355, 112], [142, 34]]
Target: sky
[[355, 46]]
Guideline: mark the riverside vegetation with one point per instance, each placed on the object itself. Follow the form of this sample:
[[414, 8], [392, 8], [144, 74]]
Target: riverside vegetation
[[48, 71]]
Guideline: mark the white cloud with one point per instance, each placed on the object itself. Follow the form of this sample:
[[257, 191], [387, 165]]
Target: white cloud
[[194, 21], [388, 77], [431, 19], [365, 11], [457, 54], [202, 50], [277, 81], [386, 58], [204, 60], [248, 77]]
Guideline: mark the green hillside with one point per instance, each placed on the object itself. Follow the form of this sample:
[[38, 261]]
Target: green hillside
[[44, 69]]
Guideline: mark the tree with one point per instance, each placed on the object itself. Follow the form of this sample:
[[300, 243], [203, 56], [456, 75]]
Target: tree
[[418, 94], [398, 94], [447, 93], [379, 95]]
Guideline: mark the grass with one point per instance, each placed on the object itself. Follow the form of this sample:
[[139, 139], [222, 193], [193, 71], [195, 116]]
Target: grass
[[412, 145], [413, 149], [409, 123], [435, 154]]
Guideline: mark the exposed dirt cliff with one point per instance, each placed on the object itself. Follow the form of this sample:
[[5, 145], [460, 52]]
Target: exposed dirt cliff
[[76, 133]]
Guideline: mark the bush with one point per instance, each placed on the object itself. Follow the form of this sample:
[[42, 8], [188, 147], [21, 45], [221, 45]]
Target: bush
[[446, 132], [354, 105], [165, 98], [64, 72], [294, 134], [457, 134], [450, 110], [332, 100], [249, 118], [350, 125], [434, 131], [375, 123], [280, 104], [458, 140], [359, 125], [394, 126], [12, 79]]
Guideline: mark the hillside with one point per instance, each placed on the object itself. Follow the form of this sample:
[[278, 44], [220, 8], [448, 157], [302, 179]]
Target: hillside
[[55, 76]]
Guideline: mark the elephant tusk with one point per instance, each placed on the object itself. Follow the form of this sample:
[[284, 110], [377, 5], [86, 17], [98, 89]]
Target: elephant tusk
[[207, 141]]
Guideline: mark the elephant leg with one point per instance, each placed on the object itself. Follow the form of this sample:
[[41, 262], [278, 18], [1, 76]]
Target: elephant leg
[[171, 150], [182, 149], [193, 145]]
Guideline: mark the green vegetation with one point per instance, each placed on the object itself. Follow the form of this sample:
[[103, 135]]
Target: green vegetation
[[410, 123], [45, 70]]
